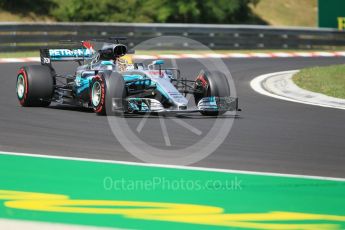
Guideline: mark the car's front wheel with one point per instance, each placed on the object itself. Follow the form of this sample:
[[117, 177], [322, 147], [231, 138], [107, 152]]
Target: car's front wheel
[[105, 90], [209, 84], [98, 95]]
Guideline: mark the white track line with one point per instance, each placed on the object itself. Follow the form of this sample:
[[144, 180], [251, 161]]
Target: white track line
[[168, 56], [14, 224], [303, 54], [238, 55], [261, 55], [282, 54], [341, 54], [215, 55], [192, 56], [144, 57], [175, 166], [257, 85], [324, 54]]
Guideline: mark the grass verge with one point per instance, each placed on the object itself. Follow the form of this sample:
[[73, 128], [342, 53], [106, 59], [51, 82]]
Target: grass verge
[[328, 80], [287, 12], [20, 54]]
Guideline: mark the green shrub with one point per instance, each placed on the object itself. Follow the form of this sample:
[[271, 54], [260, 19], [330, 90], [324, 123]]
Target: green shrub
[[185, 11]]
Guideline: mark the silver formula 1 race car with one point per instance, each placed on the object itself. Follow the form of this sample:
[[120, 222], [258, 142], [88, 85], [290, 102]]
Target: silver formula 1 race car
[[110, 83]]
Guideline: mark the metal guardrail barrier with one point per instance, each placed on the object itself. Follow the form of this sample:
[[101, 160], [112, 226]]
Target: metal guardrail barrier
[[32, 36]]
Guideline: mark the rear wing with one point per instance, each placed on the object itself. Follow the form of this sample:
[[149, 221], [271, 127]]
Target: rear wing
[[51, 55], [80, 54]]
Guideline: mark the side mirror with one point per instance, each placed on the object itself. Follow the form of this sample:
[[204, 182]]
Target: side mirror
[[154, 63], [158, 62]]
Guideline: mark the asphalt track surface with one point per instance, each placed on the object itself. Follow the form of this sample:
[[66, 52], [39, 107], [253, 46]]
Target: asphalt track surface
[[271, 135]]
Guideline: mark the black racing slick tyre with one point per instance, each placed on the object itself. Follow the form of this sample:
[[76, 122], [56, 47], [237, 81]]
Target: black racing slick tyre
[[35, 85], [208, 84], [107, 93]]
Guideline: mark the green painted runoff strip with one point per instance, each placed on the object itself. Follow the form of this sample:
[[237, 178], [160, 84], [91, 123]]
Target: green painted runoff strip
[[143, 197]]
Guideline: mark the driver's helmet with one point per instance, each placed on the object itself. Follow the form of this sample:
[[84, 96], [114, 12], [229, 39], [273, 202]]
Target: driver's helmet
[[124, 63]]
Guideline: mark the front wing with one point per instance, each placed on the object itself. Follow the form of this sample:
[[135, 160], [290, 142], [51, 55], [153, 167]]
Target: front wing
[[147, 105]]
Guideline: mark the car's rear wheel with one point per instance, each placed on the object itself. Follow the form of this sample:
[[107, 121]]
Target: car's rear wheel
[[209, 84], [106, 90], [35, 85]]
